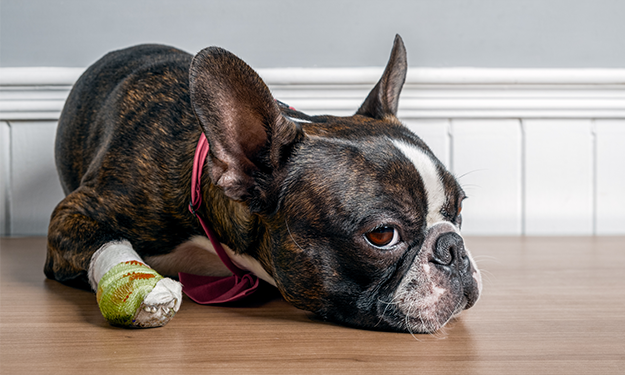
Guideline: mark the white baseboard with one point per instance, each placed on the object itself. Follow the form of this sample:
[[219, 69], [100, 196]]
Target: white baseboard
[[39, 93]]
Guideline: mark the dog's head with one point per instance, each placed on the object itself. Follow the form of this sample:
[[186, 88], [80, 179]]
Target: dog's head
[[361, 220]]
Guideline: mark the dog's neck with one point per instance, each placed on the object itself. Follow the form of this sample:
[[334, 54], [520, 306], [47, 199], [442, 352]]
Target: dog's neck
[[244, 234]]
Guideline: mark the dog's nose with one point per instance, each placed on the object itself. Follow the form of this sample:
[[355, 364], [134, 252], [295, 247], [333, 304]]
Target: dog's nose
[[449, 247]]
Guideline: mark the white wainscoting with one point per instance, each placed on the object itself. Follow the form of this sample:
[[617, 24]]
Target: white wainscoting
[[539, 152]]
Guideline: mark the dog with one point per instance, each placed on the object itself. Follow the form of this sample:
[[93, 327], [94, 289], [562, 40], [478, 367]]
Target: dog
[[351, 218]]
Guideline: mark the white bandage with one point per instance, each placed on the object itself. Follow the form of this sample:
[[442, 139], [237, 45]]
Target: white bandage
[[108, 256]]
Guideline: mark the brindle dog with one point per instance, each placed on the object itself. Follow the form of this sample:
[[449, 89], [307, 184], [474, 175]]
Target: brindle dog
[[352, 218]]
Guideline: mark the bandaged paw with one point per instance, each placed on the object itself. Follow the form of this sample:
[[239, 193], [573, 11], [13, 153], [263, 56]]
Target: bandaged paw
[[132, 294], [160, 305]]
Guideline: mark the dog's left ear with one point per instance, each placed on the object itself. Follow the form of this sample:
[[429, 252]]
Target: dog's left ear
[[383, 100], [249, 138]]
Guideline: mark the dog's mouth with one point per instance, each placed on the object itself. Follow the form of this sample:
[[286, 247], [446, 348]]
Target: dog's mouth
[[442, 281]]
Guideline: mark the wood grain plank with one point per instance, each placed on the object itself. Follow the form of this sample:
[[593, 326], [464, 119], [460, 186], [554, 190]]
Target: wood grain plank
[[550, 305]]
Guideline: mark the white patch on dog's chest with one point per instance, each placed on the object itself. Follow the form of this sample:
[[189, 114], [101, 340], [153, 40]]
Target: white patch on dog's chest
[[431, 178], [197, 256], [242, 261]]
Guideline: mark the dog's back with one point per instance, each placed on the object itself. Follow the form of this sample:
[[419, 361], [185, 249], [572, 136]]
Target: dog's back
[[122, 84]]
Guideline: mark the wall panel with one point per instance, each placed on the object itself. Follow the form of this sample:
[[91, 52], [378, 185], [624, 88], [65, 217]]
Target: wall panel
[[558, 177], [35, 186], [610, 176], [487, 162], [5, 177]]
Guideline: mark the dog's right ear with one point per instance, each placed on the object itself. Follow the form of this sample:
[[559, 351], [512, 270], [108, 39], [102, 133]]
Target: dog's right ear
[[249, 138], [383, 99]]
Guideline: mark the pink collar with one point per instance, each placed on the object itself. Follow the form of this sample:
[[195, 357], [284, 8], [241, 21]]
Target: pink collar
[[209, 289]]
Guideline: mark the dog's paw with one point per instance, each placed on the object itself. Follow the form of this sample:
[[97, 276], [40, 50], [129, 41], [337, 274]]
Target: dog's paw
[[160, 305]]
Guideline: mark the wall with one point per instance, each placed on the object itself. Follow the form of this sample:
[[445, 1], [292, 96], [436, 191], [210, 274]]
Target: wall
[[322, 33], [539, 152]]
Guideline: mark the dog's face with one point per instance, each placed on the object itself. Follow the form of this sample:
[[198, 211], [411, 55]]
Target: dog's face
[[370, 225], [363, 220]]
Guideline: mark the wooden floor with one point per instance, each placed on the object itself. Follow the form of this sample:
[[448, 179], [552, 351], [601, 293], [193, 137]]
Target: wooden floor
[[550, 305]]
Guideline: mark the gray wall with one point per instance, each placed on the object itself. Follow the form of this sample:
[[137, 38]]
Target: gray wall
[[327, 33]]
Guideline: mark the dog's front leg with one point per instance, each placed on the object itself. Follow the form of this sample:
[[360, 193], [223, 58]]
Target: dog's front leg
[[84, 251]]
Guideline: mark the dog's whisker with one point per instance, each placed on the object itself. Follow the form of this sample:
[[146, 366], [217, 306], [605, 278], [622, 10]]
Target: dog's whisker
[[291, 235], [486, 258], [409, 325], [383, 312], [471, 172], [487, 276], [469, 188]]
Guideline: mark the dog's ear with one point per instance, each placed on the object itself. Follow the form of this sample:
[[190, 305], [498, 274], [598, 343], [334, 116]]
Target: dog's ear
[[249, 138], [384, 98]]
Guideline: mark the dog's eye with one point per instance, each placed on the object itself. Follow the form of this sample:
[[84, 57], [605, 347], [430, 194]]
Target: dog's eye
[[383, 237]]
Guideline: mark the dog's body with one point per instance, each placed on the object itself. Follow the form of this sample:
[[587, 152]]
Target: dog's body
[[352, 218]]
